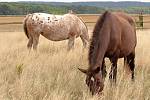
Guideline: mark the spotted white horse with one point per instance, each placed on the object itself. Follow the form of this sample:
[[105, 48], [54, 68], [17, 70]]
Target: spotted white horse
[[55, 28]]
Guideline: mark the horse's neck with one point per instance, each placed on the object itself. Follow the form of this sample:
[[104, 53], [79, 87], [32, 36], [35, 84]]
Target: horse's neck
[[101, 45]]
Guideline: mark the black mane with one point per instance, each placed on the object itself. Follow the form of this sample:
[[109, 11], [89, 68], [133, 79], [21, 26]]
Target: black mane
[[94, 42]]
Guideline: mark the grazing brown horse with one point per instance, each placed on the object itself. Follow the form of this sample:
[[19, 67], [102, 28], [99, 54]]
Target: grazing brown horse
[[114, 36], [55, 28]]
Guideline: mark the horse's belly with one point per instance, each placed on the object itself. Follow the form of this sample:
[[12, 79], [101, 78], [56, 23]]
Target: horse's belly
[[55, 36], [56, 31], [120, 51]]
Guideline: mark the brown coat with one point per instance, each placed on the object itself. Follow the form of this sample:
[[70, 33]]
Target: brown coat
[[114, 36]]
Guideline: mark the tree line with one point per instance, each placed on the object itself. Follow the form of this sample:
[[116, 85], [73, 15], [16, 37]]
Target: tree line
[[23, 8]]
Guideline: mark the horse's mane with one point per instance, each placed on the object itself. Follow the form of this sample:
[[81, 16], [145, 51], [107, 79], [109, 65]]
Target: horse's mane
[[95, 39]]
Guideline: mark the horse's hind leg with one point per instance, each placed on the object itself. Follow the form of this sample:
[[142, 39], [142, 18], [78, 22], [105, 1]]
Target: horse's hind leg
[[35, 41], [71, 43], [85, 40], [30, 42], [131, 63]]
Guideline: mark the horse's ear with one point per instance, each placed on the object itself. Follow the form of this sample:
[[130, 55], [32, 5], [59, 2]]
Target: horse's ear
[[83, 70]]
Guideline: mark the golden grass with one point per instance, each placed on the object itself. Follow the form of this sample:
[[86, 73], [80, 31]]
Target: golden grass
[[52, 74]]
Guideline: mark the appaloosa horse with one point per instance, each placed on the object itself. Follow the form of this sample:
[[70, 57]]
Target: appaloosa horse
[[55, 28], [114, 36]]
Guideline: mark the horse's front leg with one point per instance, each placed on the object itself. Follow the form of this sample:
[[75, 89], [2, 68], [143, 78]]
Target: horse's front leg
[[35, 41], [113, 72], [104, 72], [71, 42]]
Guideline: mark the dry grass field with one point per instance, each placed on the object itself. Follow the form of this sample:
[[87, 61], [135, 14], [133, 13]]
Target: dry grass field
[[51, 73]]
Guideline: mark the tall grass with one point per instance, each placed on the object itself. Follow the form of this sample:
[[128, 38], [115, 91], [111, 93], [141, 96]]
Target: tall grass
[[52, 74]]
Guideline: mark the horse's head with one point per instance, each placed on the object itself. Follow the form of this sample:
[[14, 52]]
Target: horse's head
[[94, 80]]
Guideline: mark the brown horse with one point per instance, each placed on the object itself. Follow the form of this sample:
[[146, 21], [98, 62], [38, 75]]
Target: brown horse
[[114, 36], [55, 28]]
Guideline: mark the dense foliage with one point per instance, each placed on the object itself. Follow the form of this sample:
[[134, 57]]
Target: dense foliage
[[23, 8]]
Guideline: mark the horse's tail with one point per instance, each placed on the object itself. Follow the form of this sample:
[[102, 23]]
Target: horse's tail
[[25, 25]]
